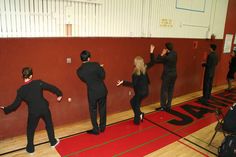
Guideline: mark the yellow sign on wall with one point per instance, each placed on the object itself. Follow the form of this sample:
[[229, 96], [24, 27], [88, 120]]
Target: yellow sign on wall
[[166, 23]]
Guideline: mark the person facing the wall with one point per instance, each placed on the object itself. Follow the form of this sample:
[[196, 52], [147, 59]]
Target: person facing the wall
[[139, 83], [93, 75], [232, 70], [168, 58], [210, 66], [32, 93]]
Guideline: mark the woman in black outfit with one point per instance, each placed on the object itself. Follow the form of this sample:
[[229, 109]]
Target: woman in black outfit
[[232, 70], [139, 83], [32, 93]]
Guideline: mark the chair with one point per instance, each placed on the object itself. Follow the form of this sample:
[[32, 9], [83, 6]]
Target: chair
[[219, 126]]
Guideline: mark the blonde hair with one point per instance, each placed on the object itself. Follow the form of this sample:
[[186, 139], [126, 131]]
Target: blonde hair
[[140, 67]]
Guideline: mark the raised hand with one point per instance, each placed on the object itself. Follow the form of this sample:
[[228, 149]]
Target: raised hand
[[164, 51], [119, 82], [152, 47]]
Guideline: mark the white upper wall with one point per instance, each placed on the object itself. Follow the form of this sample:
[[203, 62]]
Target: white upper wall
[[113, 18]]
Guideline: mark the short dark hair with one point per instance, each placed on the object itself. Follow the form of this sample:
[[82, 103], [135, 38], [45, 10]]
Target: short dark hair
[[27, 72], [213, 47], [84, 55], [169, 46]]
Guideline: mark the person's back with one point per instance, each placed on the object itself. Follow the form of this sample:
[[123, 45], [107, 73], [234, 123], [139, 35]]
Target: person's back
[[170, 64], [212, 61], [168, 58], [140, 84], [232, 64], [32, 93], [93, 75]]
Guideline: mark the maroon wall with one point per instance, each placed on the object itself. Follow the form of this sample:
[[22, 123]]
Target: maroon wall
[[48, 56], [230, 28]]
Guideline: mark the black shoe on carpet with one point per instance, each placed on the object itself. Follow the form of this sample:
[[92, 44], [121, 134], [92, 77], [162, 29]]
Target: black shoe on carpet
[[93, 132]]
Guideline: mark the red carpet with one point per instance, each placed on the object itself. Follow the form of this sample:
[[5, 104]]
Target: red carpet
[[158, 130]]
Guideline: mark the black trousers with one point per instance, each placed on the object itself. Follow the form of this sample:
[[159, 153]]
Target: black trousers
[[207, 86], [167, 91], [32, 125], [101, 105], [135, 103]]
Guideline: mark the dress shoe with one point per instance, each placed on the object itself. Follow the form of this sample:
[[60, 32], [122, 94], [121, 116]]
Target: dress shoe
[[93, 132], [30, 153], [202, 100], [54, 145]]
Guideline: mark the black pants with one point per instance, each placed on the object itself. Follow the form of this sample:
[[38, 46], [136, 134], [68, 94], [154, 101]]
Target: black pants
[[207, 86], [32, 125], [101, 105], [167, 91], [230, 74], [135, 104]]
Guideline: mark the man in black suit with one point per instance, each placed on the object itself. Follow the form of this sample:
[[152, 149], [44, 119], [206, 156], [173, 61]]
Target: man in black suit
[[93, 75], [210, 65], [32, 93], [168, 58]]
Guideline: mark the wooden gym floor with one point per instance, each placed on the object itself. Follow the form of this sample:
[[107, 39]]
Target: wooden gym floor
[[14, 147]]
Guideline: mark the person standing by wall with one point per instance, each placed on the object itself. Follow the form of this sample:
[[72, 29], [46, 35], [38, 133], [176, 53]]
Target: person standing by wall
[[140, 82], [93, 75], [232, 70], [210, 66], [32, 93], [168, 58]]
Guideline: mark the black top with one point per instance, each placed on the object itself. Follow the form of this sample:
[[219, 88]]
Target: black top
[[232, 64], [169, 61], [139, 82], [32, 94], [93, 75], [230, 120], [210, 65]]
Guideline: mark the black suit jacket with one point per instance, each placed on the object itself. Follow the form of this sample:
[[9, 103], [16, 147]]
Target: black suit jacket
[[210, 65], [169, 61], [93, 75], [140, 82], [32, 94], [232, 64]]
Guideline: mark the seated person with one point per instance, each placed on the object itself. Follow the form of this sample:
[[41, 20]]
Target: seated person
[[229, 124]]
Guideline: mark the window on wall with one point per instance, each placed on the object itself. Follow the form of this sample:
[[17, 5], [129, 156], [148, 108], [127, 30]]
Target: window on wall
[[47, 18]]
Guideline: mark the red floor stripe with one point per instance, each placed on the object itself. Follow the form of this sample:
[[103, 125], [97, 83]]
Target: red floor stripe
[[121, 145], [127, 139], [84, 140]]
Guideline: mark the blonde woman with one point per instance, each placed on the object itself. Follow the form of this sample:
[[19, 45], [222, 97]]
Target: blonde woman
[[139, 83]]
